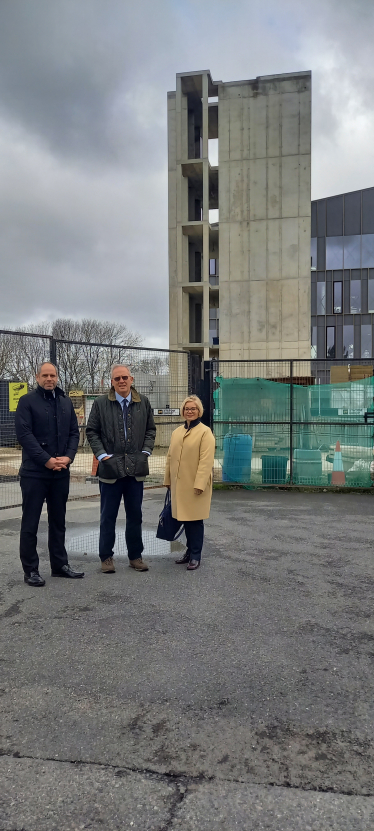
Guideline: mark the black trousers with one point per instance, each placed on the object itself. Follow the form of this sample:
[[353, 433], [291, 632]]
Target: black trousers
[[55, 492], [194, 531], [111, 495]]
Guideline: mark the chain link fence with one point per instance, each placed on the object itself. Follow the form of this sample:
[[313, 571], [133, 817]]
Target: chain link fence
[[275, 422], [293, 422], [165, 377]]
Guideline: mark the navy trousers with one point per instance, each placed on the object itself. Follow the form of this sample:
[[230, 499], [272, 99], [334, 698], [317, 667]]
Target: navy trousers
[[194, 530], [111, 495], [55, 492]]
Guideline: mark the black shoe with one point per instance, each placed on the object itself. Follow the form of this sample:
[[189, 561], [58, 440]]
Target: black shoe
[[34, 579], [66, 571], [193, 565], [184, 559]]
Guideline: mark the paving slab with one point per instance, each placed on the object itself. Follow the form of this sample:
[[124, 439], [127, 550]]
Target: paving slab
[[256, 670]]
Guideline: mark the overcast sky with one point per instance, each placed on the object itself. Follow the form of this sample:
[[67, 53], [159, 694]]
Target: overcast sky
[[83, 83]]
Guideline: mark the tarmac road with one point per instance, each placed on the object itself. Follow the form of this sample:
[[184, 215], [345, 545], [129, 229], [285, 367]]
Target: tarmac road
[[239, 696]]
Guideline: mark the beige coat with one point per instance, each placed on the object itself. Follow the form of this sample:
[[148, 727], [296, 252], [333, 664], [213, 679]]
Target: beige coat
[[189, 465]]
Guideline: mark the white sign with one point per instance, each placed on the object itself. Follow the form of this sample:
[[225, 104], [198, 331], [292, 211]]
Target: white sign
[[166, 411]]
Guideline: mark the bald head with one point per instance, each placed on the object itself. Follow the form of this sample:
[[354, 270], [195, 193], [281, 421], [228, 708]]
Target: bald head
[[47, 376]]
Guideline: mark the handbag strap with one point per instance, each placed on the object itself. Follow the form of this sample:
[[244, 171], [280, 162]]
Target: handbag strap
[[180, 532], [168, 502]]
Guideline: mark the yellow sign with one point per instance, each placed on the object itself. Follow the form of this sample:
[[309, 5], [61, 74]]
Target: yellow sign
[[15, 393], [77, 401]]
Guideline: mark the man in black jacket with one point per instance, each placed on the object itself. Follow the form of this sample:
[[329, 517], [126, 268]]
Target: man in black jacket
[[47, 430], [121, 431]]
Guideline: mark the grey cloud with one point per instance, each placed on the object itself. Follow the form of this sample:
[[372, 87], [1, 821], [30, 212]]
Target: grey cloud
[[83, 215], [68, 70]]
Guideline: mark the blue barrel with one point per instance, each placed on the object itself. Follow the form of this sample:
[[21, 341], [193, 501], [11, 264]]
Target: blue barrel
[[237, 457]]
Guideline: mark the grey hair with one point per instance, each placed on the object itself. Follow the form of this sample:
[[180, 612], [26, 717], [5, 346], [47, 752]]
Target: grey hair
[[43, 363], [117, 366]]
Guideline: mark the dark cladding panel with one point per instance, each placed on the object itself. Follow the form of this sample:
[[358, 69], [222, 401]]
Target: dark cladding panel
[[321, 253], [328, 297], [352, 214], [313, 298], [321, 339], [321, 218], [334, 216], [357, 336], [314, 219], [339, 338], [368, 211]]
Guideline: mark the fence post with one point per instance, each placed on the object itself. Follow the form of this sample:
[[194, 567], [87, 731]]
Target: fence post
[[52, 351], [207, 395], [291, 421]]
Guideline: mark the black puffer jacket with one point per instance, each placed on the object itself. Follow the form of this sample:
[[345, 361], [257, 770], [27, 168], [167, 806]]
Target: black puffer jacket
[[106, 434], [46, 426]]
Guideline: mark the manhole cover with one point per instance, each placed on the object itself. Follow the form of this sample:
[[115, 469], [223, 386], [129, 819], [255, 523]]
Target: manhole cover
[[89, 544]]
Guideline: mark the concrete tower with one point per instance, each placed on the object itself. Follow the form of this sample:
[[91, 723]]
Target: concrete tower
[[239, 230]]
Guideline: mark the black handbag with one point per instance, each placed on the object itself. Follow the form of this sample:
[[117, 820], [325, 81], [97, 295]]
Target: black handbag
[[168, 528]]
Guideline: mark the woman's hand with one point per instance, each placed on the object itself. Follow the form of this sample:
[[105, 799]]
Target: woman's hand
[[197, 491]]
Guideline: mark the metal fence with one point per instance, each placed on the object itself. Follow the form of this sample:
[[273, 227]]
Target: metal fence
[[278, 422], [165, 377], [275, 422]]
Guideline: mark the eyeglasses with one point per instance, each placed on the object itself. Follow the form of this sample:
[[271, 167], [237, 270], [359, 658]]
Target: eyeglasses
[[121, 378], [190, 409]]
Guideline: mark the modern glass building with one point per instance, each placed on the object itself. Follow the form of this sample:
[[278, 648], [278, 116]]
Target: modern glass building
[[342, 260]]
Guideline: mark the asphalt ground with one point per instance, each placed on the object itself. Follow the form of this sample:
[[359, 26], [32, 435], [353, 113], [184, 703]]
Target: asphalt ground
[[239, 696]]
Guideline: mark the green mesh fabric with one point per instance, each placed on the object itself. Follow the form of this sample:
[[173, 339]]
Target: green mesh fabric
[[321, 415]]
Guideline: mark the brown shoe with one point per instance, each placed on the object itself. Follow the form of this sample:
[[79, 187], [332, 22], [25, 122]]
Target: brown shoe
[[107, 566], [138, 564], [193, 565], [185, 558]]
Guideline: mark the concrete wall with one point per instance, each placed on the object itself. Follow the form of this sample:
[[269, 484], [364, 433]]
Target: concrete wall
[[174, 301], [264, 217]]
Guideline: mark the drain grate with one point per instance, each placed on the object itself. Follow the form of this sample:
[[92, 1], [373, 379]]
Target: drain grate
[[89, 544]]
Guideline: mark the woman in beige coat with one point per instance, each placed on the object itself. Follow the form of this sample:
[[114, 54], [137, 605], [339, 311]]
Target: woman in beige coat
[[189, 467]]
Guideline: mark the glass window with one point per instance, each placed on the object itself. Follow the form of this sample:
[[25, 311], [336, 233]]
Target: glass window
[[313, 353], [212, 267], [367, 250], [366, 340], [371, 296], [338, 298], [348, 341], [352, 252], [321, 298], [355, 296], [334, 252], [330, 342], [313, 253]]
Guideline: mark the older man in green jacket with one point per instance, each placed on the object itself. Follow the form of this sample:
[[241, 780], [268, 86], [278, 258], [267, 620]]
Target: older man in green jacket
[[121, 431]]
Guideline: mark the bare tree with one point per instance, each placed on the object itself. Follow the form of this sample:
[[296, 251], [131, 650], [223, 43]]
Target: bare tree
[[26, 353], [6, 353], [86, 364], [86, 349]]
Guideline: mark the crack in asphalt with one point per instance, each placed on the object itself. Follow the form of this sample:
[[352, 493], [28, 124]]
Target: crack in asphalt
[[181, 780]]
